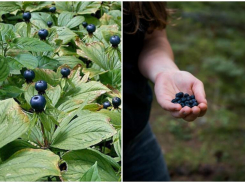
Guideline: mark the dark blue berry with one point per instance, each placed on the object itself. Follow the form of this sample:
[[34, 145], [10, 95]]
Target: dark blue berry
[[43, 33], [180, 94], [52, 9], [41, 86], [65, 72], [186, 95], [91, 28], [191, 102], [29, 75], [85, 24], [179, 101], [49, 23], [116, 101], [195, 104], [187, 102], [182, 105], [27, 16], [106, 104], [183, 99], [188, 98], [38, 102], [115, 40], [177, 98], [192, 96]]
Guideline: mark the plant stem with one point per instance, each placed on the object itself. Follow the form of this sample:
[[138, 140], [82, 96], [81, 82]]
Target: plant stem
[[44, 136]]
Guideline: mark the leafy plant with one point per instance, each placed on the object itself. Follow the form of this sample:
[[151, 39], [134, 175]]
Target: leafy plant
[[73, 138]]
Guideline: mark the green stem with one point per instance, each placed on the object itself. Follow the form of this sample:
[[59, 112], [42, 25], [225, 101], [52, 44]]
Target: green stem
[[44, 136], [28, 29]]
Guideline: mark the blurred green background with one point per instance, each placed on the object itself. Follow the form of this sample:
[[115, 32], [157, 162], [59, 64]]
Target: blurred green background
[[208, 40]]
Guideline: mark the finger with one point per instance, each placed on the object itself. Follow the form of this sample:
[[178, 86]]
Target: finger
[[199, 92], [182, 113], [169, 106], [203, 107], [194, 114]]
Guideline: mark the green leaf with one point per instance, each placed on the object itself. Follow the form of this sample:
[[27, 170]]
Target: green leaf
[[5, 29], [67, 19], [10, 91], [45, 121], [73, 98], [13, 121], [84, 131], [4, 69], [35, 5], [30, 91], [40, 19], [27, 60], [112, 77], [71, 61], [48, 75], [9, 6], [65, 34], [53, 94], [92, 174], [21, 29], [115, 117], [93, 72], [45, 62], [12, 147], [29, 165], [31, 44], [79, 162], [117, 143]]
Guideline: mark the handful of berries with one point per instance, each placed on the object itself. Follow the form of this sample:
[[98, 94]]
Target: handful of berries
[[185, 100]]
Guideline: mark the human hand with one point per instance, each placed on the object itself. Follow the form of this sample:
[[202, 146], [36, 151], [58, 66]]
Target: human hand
[[168, 83]]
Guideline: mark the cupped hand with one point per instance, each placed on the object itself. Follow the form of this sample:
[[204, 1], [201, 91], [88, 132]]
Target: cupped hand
[[168, 83]]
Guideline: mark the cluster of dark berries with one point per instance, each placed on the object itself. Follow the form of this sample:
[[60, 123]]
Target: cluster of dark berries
[[116, 102], [185, 100]]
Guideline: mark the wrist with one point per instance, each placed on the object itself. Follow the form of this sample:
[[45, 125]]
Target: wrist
[[164, 72]]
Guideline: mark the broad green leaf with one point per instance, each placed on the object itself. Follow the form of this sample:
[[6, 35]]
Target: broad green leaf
[[9, 6], [84, 131], [13, 121], [71, 61], [5, 29], [115, 117], [14, 64], [48, 75], [92, 174], [79, 7], [112, 77], [29, 165], [30, 91], [65, 34], [4, 69], [92, 107], [10, 91], [73, 98], [67, 19], [40, 19], [117, 143], [79, 162], [45, 62], [111, 18], [96, 53], [35, 5], [31, 44], [53, 94], [87, 7], [92, 20], [93, 72], [27, 60], [12, 147], [21, 29], [35, 136]]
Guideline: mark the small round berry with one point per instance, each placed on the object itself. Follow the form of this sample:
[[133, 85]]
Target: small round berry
[[186, 95], [116, 101], [115, 40], [180, 94], [43, 33], [52, 9], [38, 102], [85, 24], [192, 96], [41, 85], [49, 23], [106, 104], [91, 28], [29, 75], [65, 72], [27, 16]]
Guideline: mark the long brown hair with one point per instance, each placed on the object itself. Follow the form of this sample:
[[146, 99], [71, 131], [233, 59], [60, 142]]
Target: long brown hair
[[155, 13]]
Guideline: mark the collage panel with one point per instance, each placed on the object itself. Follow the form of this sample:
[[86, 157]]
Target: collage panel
[[60, 91]]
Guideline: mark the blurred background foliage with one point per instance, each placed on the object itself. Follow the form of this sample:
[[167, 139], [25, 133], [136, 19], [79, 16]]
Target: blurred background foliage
[[208, 40]]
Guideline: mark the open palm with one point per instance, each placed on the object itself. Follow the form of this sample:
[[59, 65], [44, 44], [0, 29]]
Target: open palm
[[168, 83]]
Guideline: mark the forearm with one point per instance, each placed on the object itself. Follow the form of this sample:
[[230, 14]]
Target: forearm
[[156, 56]]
